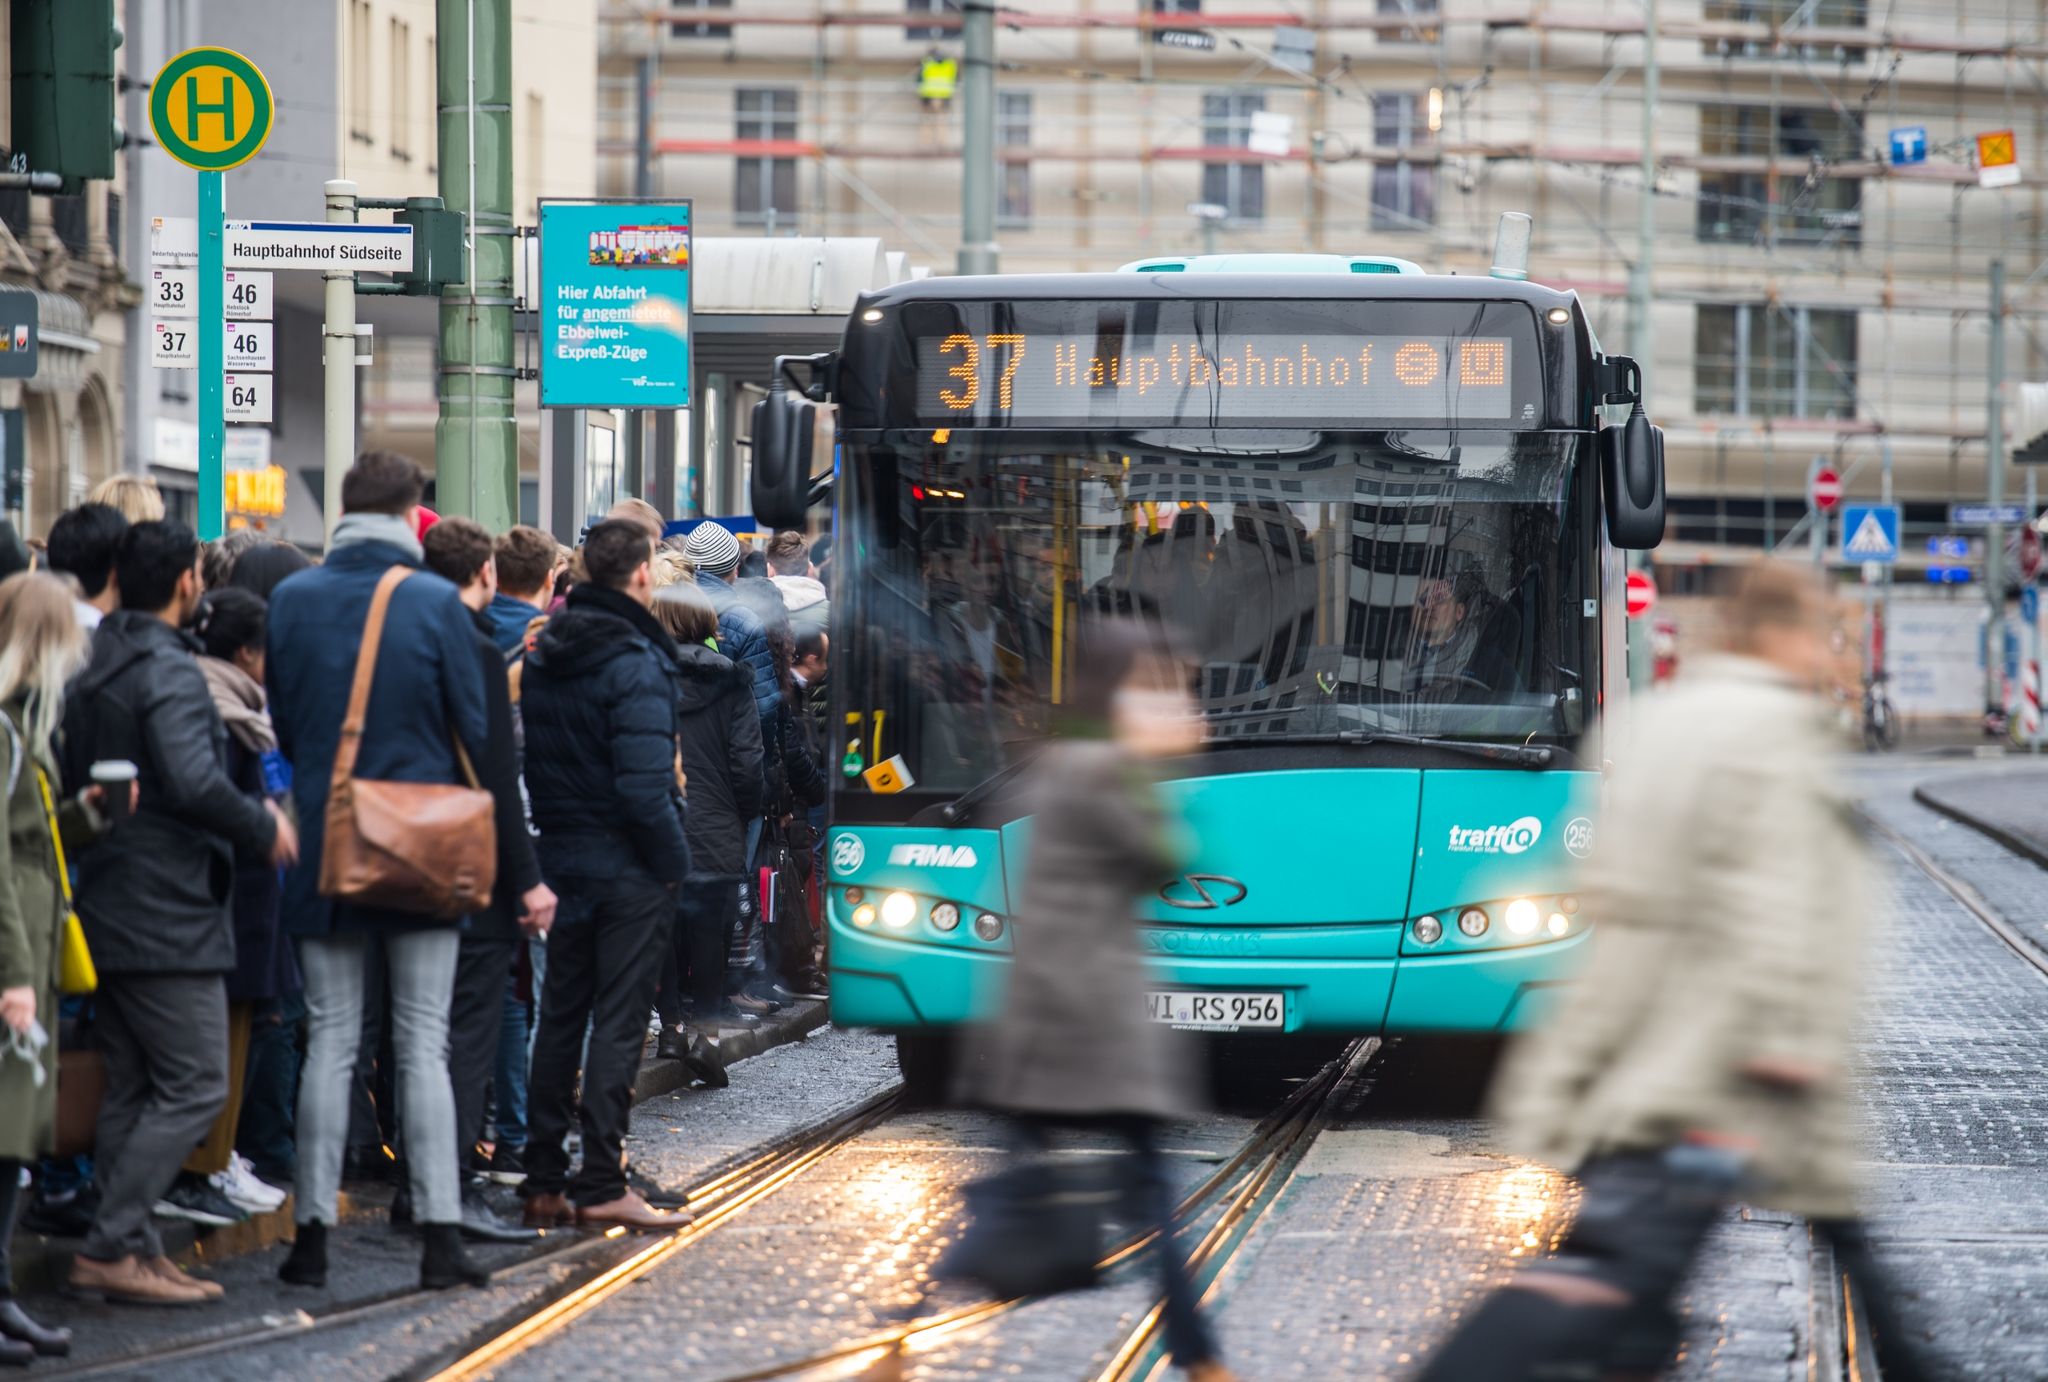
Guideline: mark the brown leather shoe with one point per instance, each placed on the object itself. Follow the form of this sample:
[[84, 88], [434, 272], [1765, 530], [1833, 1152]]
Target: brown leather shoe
[[633, 1212], [548, 1211], [171, 1271], [129, 1281]]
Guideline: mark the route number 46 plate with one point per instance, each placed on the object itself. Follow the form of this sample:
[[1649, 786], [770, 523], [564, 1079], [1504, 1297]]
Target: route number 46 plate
[[1222, 1012]]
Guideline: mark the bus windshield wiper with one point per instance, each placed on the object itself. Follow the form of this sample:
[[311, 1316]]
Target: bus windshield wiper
[[955, 811], [1520, 755]]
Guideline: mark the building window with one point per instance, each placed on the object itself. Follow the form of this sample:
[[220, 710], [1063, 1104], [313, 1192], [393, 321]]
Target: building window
[[68, 219], [1802, 204], [1176, 6], [1403, 193], [1825, 19], [1422, 12], [1239, 188], [698, 28], [359, 71], [1755, 360], [764, 185], [399, 69], [1013, 131], [926, 32]]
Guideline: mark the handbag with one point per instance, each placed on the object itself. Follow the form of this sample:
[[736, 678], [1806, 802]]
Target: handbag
[[76, 972], [1033, 1229], [426, 847]]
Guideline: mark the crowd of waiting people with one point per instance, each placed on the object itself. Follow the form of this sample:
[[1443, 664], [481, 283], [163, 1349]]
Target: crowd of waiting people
[[185, 727]]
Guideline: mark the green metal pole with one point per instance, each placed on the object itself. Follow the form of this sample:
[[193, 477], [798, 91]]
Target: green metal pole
[[978, 137], [212, 342], [476, 440]]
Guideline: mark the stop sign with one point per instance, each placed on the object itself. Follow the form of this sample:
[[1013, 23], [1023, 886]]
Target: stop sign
[[1642, 594], [1826, 491]]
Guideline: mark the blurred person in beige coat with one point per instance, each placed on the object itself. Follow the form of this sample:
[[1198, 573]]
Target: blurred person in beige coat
[[1706, 1053]]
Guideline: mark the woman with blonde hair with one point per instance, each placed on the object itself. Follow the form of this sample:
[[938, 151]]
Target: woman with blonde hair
[[136, 496], [41, 649]]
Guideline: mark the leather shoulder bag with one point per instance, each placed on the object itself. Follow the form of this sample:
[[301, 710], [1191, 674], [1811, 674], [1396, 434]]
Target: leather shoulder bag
[[426, 847]]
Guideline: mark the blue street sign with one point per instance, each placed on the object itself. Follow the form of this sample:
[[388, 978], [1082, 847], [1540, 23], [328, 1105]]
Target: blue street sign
[[1909, 145], [1870, 532], [1948, 575], [2030, 604], [1984, 515], [614, 304], [1948, 546]]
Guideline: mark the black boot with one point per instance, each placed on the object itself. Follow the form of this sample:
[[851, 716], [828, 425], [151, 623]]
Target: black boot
[[16, 1325], [401, 1208], [307, 1265], [443, 1263]]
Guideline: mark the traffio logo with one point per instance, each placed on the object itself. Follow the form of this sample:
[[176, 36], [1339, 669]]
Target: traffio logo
[[1513, 838]]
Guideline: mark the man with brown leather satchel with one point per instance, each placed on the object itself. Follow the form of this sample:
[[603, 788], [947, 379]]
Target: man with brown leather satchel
[[378, 701], [600, 696]]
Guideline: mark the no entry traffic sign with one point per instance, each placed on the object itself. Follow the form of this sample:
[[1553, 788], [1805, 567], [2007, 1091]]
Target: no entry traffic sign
[[1642, 594], [1825, 490]]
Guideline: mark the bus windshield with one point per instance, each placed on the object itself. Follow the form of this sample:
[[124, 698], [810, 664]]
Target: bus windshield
[[1428, 583]]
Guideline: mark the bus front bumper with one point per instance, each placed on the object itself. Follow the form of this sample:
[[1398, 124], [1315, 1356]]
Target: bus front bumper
[[897, 985]]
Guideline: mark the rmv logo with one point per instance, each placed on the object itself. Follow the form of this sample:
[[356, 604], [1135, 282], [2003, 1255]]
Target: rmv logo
[[1512, 838], [935, 856]]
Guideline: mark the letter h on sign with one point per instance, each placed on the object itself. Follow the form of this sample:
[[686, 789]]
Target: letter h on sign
[[223, 108]]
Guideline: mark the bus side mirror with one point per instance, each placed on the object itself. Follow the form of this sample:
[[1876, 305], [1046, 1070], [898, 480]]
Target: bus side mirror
[[1632, 480], [785, 446]]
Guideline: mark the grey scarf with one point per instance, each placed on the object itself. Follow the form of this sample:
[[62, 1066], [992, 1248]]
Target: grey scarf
[[387, 528], [239, 700]]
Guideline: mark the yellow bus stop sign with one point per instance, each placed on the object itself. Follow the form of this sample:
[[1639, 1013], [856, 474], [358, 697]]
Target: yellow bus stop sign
[[210, 108]]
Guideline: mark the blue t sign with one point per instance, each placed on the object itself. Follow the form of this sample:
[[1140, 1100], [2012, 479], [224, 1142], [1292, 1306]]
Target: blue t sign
[[1909, 145]]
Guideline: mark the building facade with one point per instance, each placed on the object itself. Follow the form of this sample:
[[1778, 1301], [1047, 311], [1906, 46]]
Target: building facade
[[63, 430], [1815, 296]]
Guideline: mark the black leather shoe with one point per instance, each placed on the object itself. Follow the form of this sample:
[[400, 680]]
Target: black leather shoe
[[307, 1264], [443, 1262], [15, 1324], [481, 1225], [704, 1060], [672, 1045]]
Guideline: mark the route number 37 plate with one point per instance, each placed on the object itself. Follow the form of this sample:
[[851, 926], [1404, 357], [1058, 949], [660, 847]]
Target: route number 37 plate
[[1216, 1011]]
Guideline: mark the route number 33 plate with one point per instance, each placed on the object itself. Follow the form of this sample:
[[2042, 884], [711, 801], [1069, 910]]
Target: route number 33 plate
[[1217, 1012]]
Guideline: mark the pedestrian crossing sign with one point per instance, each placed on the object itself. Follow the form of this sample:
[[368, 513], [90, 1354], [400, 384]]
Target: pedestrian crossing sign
[[1870, 532]]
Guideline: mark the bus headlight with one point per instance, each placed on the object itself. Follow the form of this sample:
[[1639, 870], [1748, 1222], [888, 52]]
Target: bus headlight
[[898, 910], [1473, 921], [1428, 930], [988, 927], [946, 916], [1559, 923], [1522, 916], [864, 915]]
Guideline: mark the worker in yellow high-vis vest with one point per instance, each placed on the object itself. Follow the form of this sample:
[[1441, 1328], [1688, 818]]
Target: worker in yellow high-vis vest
[[937, 77]]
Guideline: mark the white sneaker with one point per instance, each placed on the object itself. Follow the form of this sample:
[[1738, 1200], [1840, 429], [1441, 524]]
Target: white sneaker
[[240, 1185]]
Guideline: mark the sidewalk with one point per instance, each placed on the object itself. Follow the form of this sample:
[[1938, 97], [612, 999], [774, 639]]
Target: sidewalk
[[2010, 806], [41, 1263]]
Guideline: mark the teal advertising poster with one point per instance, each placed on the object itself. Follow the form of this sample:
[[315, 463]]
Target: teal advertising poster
[[614, 304]]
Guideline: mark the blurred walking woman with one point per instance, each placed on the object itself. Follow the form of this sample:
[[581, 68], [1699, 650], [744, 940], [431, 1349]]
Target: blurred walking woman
[[1072, 1045], [41, 648]]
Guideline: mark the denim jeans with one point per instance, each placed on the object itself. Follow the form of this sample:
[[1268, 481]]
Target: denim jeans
[[269, 1109], [508, 1084]]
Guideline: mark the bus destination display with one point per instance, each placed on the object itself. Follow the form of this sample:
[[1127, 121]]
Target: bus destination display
[[1027, 379]]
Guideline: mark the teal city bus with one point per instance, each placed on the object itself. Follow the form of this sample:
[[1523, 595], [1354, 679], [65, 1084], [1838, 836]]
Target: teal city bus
[[1378, 513]]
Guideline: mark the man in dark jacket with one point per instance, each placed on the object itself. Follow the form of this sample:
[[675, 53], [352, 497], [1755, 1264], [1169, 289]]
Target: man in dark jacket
[[459, 551], [527, 560], [155, 896], [426, 690], [715, 552], [598, 697]]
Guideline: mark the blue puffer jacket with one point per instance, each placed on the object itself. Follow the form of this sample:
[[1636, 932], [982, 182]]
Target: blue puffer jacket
[[743, 638], [599, 698]]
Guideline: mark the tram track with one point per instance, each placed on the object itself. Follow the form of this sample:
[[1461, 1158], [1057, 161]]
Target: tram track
[[613, 1257], [1239, 1191]]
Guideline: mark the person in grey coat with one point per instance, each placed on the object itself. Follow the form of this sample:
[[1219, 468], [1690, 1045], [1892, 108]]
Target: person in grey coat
[[1071, 1044]]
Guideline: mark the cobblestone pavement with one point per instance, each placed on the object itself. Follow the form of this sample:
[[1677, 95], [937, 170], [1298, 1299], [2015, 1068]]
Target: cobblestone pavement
[[676, 1139]]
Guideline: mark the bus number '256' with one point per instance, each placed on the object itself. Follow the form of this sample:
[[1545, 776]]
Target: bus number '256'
[[968, 371]]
